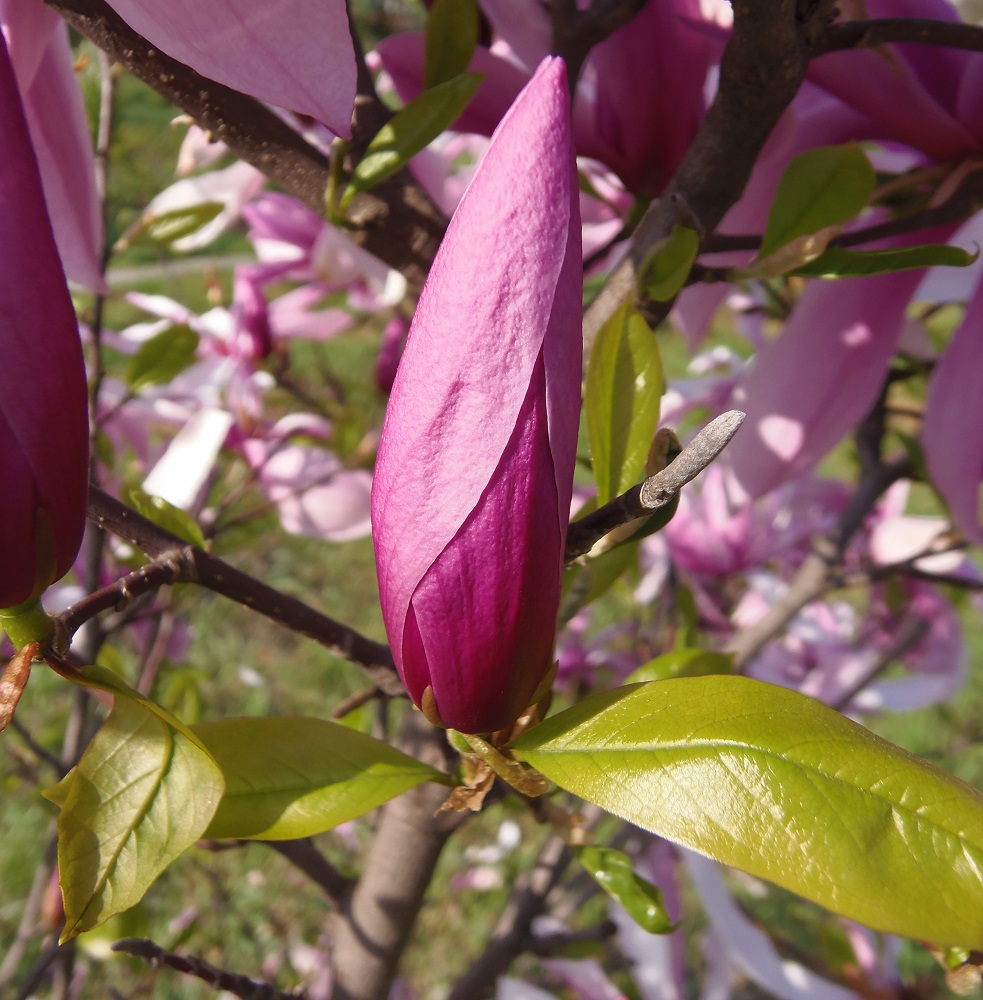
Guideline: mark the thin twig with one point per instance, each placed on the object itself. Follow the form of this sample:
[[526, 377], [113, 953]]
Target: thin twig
[[657, 491], [218, 979], [909, 636], [513, 932], [817, 573], [197, 566], [304, 856], [883, 31]]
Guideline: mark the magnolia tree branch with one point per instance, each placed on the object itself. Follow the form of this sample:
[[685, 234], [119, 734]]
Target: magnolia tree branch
[[657, 491], [762, 69], [219, 979], [374, 928], [882, 31], [396, 221], [818, 571], [178, 562], [575, 32]]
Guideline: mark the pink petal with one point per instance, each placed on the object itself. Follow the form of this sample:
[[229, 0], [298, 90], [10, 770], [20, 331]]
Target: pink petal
[[295, 54], [475, 468], [56, 117], [953, 416], [809, 388], [43, 398]]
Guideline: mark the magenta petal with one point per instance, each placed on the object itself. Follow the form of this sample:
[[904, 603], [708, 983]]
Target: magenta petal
[[953, 418], [37, 41], [43, 405], [295, 54], [475, 467], [818, 380]]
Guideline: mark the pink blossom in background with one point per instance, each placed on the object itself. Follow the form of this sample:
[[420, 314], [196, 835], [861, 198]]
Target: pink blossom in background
[[811, 386], [296, 55], [313, 492], [475, 470], [293, 243], [44, 446], [640, 98]]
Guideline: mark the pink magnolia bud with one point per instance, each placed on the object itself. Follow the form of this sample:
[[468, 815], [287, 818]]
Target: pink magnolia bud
[[43, 408], [475, 470]]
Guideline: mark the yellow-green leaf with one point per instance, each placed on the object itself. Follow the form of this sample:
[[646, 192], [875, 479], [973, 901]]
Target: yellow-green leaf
[[623, 396], [822, 187], [779, 785], [295, 777], [144, 791]]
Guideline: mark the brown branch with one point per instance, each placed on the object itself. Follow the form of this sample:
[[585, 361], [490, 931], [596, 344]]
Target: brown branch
[[910, 635], [882, 31], [218, 979], [762, 69], [193, 565], [395, 221], [657, 491], [374, 928], [575, 32]]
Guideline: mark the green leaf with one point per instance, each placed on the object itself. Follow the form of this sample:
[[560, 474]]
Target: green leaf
[[144, 791], [613, 873], [295, 777], [165, 515], [163, 357], [667, 266], [683, 663], [410, 130], [839, 263], [167, 227], [624, 389], [779, 785], [822, 187], [451, 35]]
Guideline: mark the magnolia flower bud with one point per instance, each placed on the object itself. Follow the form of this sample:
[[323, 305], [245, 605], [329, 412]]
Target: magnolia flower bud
[[472, 487], [43, 406]]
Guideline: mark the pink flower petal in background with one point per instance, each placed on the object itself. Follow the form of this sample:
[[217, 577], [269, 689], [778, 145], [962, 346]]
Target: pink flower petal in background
[[814, 384], [951, 434], [749, 948], [295, 54], [233, 187], [38, 43]]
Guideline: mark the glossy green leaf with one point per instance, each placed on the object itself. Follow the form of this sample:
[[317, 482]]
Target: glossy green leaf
[[410, 130], [839, 263], [144, 791], [822, 187], [624, 390], [682, 663], [779, 785], [295, 777], [162, 357], [165, 515], [167, 227], [667, 267], [451, 35], [641, 900]]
